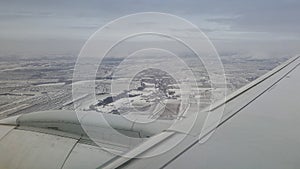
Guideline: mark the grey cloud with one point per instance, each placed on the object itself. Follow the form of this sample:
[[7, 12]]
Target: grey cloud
[[220, 19], [85, 27]]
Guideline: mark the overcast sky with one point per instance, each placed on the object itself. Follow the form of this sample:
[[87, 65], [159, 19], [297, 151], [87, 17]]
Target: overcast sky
[[250, 28]]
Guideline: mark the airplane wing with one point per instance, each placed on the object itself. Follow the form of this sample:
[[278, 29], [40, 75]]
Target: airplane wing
[[258, 129]]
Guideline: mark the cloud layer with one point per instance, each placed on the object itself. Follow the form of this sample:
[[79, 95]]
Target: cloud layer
[[232, 25]]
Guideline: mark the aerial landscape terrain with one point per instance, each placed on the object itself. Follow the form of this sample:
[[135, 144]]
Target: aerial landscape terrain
[[30, 84]]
